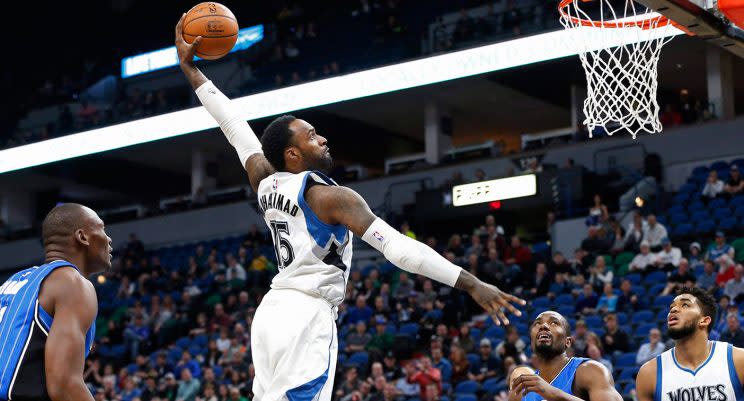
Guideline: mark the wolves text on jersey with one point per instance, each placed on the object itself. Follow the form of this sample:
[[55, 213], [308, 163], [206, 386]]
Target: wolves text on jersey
[[699, 393], [277, 201]]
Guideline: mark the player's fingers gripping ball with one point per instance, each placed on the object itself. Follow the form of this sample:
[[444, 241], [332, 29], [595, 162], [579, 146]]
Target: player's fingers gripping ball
[[519, 371], [217, 26]]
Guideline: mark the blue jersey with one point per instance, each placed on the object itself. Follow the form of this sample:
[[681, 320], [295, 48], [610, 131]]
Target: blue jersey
[[24, 326], [564, 380]]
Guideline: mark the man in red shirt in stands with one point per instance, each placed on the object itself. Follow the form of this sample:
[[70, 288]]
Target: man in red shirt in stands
[[426, 374], [517, 253]]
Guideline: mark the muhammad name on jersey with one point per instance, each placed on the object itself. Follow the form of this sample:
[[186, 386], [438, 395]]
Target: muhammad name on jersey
[[699, 393], [277, 201]]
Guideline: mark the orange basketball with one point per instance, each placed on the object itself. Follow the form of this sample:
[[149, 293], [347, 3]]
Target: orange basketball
[[217, 26]]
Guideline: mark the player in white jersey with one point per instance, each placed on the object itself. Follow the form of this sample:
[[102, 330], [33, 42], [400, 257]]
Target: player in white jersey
[[293, 336], [695, 369]]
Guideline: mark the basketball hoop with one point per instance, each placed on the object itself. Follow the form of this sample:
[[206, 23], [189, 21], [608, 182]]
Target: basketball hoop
[[621, 79]]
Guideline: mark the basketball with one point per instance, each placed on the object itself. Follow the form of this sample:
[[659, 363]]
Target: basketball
[[519, 371], [217, 26]]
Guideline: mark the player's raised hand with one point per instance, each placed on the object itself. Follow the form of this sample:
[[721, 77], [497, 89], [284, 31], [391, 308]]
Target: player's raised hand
[[495, 301], [185, 50]]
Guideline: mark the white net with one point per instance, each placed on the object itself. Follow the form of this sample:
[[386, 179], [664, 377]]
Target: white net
[[621, 80]]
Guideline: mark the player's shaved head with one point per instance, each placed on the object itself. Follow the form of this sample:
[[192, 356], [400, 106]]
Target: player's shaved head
[[63, 220], [75, 233]]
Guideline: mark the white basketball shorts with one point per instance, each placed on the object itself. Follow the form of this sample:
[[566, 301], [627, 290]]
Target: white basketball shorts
[[294, 347]]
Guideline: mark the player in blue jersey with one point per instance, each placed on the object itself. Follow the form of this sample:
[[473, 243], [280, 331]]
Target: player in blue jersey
[[48, 312], [560, 377]]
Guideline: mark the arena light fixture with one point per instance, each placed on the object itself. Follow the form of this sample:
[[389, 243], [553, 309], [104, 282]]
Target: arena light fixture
[[426, 71], [494, 190]]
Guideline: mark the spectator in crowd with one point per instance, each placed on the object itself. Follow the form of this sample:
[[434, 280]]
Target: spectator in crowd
[[130, 392], [595, 353], [668, 257], [517, 253], [734, 185], [405, 229], [733, 334], [596, 241], [455, 245], [560, 286], [681, 278], [670, 117], [188, 387], [587, 301], [735, 287], [512, 346], [426, 374], [628, 300], [713, 185], [608, 300], [720, 250], [358, 340], [707, 279], [634, 235], [651, 349], [614, 340], [136, 336], [644, 260], [598, 213], [580, 336], [488, 366], [559, 264], [475, 248], [600, 274], [460, 365], [360, 312], [696, 257], [464, 340], [443, 364], [654, 233], [541, 284]]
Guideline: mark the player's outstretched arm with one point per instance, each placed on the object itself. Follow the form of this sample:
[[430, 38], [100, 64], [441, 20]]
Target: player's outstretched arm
[[646, 381], [236, 130], [74, 307], [341, 205]]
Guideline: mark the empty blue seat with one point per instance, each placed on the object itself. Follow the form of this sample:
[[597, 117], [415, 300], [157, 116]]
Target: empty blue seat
[[737, 201], [467, 387], [643, 329], [492, 385], [564, 299], [700, 216], [183, 342], [664, 300], [466, 397], [409, 328], [593, 321], [473, 360], [728, 223], [656, 277], [717, 203], [626, 360], [719, 165], [685, 229], [566, 310], [494, 331], [705, 227], [721, 213], [622, 317], [700, 170], [359, 358], [696, 206], [541, 302], [678, 218], [739, 211], [643, 316], [628, 373], [688, 188]]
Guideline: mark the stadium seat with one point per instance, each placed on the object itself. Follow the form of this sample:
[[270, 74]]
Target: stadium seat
[[682, 230], [492, 385], [473, 360], [696, 207], [688, 188], [663, 301], [566, 310], [622, 318], [717, 203], [628, 373], [466, 397], [467, 387], [728, 223], [411, 329], [625, 360], [681, 198], [662, 315], [593, 321], [675, 209], [359, 358], [700, 216], [700, 170], [656, 277], [183, 342], [564, 299], [643, 329], [678, 218], [494, 331], [737, 201], [739, 211], [634, 278], [541, 302], [705, 227], [722, 213], [643, 316]]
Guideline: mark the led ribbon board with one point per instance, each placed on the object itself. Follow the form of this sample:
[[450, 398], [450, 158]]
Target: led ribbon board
[[375, 81], [494, 190], [168, 57]]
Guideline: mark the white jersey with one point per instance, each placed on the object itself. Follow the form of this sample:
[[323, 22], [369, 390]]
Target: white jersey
[[714, 380], [313, 257]]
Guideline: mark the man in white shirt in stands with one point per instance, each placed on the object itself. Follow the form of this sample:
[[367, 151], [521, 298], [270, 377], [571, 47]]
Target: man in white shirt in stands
[[643, 260], [654, 232], [668, 258], [713, 186], [734, 288], [651, 349]]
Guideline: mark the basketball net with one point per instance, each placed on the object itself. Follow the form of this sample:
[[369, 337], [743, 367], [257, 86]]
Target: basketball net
[[621, 80]]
